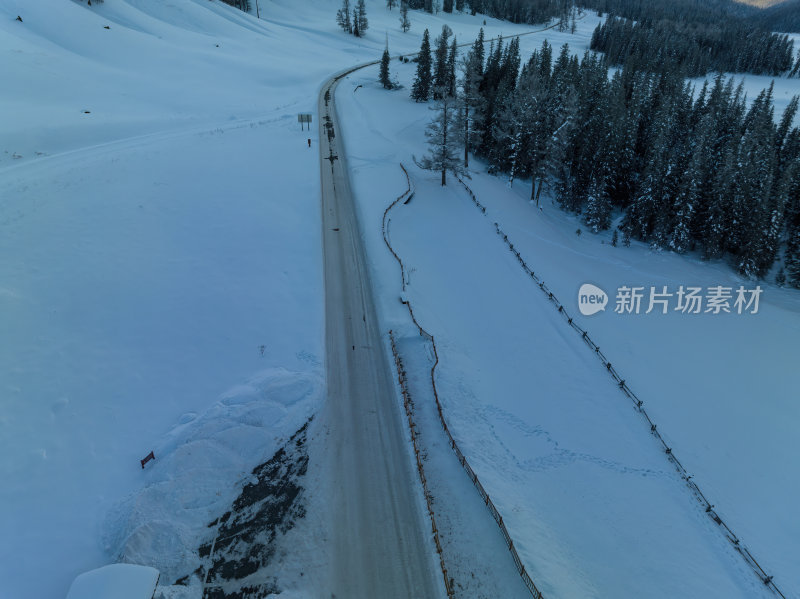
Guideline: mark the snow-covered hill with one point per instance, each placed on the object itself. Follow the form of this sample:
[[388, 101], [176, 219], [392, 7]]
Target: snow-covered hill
[[160, 265], [161, 289]]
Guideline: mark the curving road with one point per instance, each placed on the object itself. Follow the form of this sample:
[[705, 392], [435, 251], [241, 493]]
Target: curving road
[[380, 541], [381, 546]]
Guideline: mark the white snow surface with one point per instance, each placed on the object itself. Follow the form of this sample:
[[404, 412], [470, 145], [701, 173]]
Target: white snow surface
[[161, 289], [593, 505], [120, 581], [160, 266]]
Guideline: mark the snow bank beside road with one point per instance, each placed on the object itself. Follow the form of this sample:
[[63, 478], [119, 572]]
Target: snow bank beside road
[[202, 464]]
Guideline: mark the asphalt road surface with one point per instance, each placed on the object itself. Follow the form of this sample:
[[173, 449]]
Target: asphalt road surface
[[380, 537]]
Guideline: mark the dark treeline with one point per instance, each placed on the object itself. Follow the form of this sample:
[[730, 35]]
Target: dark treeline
[[694, 47], [240, 4], [781, 17], [516, 11], [687, 171], [708, 12]]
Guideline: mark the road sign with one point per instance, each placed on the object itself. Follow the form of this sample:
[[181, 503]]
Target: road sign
[[303, 118]]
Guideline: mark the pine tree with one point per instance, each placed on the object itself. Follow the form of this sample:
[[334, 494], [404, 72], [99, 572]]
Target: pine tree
[[440, 73], [641, 212], [759, 200], [793, 258], [391, 4], [782, 137], [716, 227], [361, 19], [796, 68], [460, 5], [512, 132], [469, 100], [451, 68], [509, 68], [489, 91], [546, 60], [447, 6], [563, 17], [598, 207], [442, 140], [384, 75], [479, 50], [405, 22], [554, 107], [356, 24], [343, 17], [421, 88], [780, 278], [684, 206], [689, 169]]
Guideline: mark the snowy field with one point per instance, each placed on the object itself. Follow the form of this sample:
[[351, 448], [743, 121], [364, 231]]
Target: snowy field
[[160, 265], [594, 506], [161, 289]]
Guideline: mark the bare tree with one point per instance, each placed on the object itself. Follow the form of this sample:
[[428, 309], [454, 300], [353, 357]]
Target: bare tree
[[442, 139], [405, 22], [343, 17]]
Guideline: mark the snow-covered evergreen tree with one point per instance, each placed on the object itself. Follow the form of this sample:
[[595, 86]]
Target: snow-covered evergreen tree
[[780, 278], [421, 88], [557, 119], [598, 207], [384, 77], [689, 169], [469, 99], [440, 65], [680, 236], [488, 90], [793, 258], [450, 83]]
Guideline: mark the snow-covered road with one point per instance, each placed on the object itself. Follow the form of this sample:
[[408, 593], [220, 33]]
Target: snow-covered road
[[379, 544], [380, 547]]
